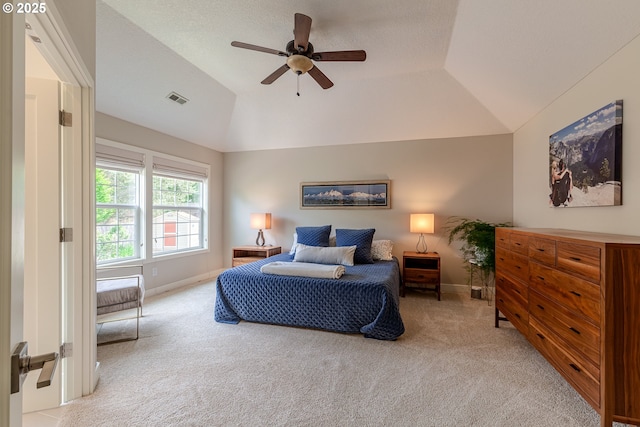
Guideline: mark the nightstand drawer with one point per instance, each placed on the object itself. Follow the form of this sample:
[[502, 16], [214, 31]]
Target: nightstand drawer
[[412, 275]]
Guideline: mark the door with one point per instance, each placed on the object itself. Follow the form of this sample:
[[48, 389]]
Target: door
[[78, 296], [42, 272], [11, 207]]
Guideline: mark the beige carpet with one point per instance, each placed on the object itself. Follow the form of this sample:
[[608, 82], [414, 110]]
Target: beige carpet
[[450, 368]]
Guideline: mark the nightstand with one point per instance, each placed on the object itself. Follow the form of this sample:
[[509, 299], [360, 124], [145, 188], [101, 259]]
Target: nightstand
[[246, 254], [421, 271]]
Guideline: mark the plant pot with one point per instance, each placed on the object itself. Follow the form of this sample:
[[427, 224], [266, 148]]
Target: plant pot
[[476, 292]]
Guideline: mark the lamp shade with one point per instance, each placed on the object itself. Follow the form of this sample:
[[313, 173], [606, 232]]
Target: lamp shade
[[422, 223], [261, 221]]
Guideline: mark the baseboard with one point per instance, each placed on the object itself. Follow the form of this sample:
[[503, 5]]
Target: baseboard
[[184, 282], [454, 287]]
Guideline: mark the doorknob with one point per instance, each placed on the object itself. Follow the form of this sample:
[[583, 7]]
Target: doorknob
[[22, 364]]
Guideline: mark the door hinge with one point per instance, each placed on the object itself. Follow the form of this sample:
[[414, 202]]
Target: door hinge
[[66, 350], [65, 118], [66, 235]]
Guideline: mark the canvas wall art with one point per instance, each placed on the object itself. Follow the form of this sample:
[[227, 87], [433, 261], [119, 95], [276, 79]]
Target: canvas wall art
[[345, 194], [585, 160]]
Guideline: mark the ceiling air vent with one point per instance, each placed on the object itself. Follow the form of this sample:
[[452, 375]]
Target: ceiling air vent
[[177, 98]]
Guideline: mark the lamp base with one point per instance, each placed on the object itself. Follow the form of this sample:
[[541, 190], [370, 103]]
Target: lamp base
[[260, 238], [421, 246]]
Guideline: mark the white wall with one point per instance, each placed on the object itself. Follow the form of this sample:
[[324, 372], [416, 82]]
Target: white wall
[[470, 177], [79, 17], [615, 79], [178, 269]]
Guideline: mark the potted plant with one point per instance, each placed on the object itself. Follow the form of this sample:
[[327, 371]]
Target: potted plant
[[478, 247]]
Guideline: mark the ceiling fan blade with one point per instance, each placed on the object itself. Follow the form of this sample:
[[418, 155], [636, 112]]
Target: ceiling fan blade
[[258, 48], [273, 76], [319, 77], [341, 55], [301, 30]]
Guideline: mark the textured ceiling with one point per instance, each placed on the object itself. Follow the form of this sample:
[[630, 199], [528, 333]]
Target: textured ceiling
[[434, 68]]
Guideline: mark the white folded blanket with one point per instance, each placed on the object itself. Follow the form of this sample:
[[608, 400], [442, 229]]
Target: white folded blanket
[[304, 269]]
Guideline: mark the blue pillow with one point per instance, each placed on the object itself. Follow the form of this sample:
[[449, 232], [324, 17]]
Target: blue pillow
[[361, 238], [314, 236]]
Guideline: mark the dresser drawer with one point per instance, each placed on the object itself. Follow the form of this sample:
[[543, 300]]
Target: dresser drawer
[[543, 250], [502, 238], [414, 275], [576, 331], [519, 243], [515, 288], [582, 375], [570, 292], [582, 260], [517, 314], [513, 264]]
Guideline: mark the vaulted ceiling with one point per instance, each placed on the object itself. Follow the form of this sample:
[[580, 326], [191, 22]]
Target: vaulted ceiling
[[434, 68]]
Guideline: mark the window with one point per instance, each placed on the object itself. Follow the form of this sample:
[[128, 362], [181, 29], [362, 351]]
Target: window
[[177, 214], [148, 204], [117, 214]]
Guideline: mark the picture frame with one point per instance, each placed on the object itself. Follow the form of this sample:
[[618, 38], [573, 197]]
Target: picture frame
[[370, 194], [585, 160]]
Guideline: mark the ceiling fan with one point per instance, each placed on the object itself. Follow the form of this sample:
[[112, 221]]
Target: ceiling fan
[[300, 54]]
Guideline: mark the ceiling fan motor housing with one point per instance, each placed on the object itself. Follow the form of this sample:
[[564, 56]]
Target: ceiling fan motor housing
[[291, 49]]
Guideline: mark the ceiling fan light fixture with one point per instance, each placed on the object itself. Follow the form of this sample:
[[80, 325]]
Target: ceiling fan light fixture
[[299, 64]]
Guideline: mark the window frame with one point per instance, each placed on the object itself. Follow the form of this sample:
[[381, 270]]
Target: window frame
[[202, 229], [138, 217], [111, 154]]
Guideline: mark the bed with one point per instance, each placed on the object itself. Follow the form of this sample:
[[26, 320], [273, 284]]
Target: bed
[[364, 300]]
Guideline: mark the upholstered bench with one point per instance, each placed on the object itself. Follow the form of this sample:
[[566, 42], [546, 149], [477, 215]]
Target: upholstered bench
[[120, 293]]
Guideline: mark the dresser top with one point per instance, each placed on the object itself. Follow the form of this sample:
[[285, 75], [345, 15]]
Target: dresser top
[[581, 235]]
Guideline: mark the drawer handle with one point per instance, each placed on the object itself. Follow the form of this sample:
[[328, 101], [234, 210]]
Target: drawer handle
[[518, 267], [540, 249], [541, 278], [574, 330], [541, 336], [420, 276], [501, 300], [540, 307], [517, 315], [501, 259], [518, 244], [575, 367], [575, 258], [578, 294], [517, 291]]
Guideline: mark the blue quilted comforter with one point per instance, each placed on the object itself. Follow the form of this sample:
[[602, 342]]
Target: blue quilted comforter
[[364, 300]]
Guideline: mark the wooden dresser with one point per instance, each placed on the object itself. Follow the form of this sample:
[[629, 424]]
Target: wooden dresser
[[576, 297]]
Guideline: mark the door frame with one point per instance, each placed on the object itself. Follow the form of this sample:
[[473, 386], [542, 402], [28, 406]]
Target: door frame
[[66, 61]]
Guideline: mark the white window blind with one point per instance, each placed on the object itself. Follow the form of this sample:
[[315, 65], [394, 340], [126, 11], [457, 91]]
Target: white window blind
[[115, 156], [178, 169]]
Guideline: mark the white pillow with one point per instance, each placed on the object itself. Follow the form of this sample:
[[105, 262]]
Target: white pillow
[[325, 254], [295, 243], [332, 242], [381, 250]]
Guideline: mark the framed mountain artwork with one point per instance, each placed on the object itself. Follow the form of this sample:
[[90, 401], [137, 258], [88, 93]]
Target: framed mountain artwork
[[345, 194]]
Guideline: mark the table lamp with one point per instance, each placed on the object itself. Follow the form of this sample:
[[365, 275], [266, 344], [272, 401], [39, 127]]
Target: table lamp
[[421, 223], [260, 221]]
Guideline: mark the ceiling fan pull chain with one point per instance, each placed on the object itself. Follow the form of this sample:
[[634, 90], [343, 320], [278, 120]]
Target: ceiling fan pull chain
[[298, 83]]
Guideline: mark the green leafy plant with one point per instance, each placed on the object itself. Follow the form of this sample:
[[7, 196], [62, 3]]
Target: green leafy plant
[[478, 243]]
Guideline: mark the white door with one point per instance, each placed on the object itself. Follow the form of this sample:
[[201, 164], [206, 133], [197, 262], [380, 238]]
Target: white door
[[42, 272], [80, 378], [11, 207]]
